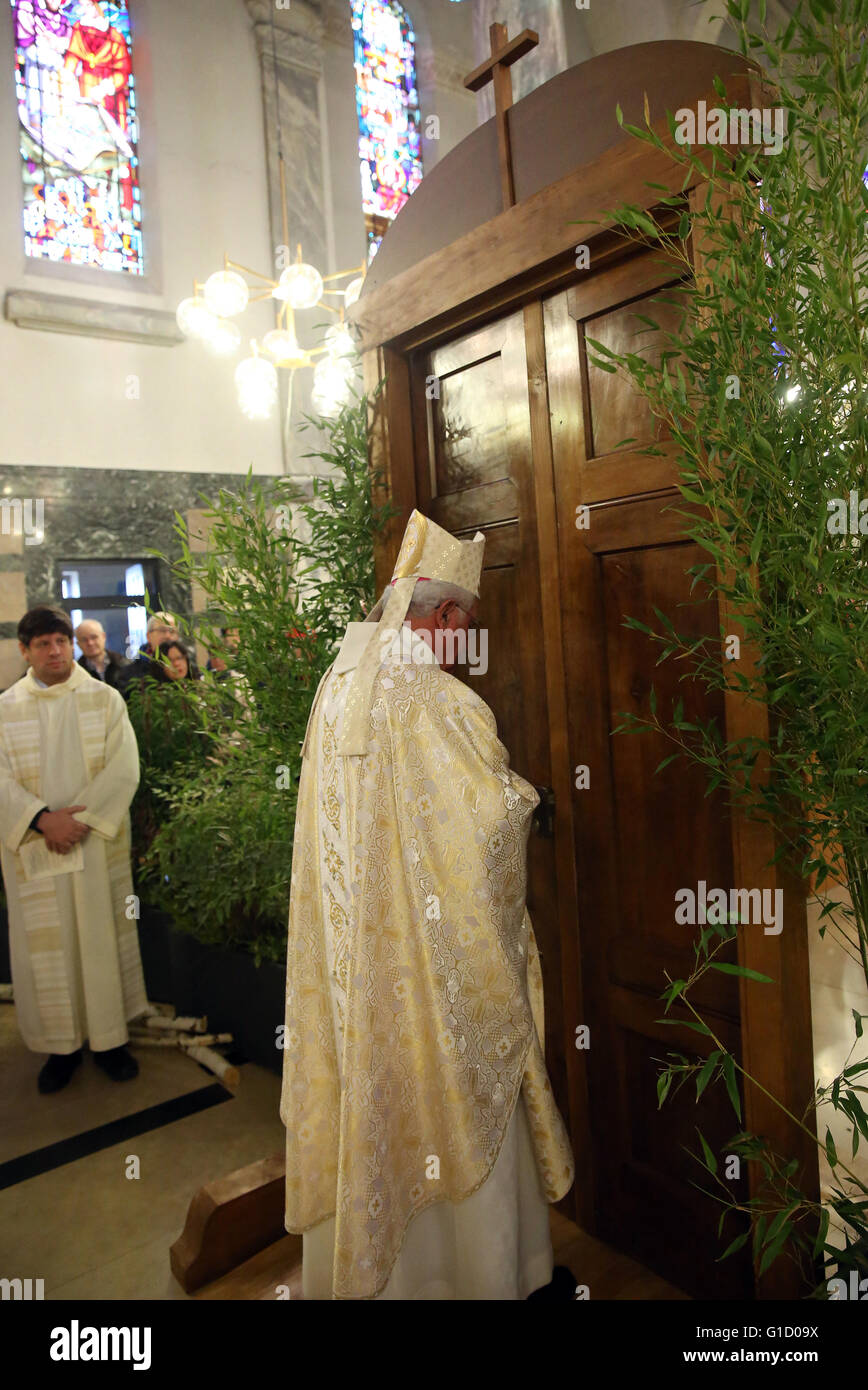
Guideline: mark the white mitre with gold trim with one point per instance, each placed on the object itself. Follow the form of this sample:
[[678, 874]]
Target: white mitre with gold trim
[[427, 552]]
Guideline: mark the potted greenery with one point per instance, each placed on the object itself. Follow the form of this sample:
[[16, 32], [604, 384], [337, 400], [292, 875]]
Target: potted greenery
[[762, 386], [214, 817]]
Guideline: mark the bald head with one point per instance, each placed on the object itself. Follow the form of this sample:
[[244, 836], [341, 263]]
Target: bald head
[[90, 636]]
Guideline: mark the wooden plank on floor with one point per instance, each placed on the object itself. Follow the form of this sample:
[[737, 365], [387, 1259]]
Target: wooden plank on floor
[[230, 1220], [274, 1269], [608, 1273]]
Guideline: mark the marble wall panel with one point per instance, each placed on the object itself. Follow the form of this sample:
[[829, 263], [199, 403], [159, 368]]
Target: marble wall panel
[[96, 513]]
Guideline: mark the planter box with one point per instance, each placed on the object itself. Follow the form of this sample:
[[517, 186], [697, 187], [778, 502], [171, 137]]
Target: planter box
[[238, 996]]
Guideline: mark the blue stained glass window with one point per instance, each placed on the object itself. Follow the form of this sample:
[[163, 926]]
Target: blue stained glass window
[[387, 103]]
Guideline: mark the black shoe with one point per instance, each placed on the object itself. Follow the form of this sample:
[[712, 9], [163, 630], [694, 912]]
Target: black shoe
[[117, 1063], [57, 1071], [561, 1290]]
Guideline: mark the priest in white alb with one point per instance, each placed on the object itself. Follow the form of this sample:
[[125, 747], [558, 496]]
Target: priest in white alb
[[69, 768], [423, 1143]]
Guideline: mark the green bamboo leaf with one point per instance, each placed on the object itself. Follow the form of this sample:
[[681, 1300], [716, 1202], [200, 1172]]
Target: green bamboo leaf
[[831, 1151], [666, 761], [706, 1074], [734, 1245], [822, 1231], [686, 1023], [731, 1083], [773, 1250], [726, 969], [710, 1160]]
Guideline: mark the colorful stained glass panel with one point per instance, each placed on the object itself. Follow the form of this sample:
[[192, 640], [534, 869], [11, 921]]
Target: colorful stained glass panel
[[79, 131], [387, 102]]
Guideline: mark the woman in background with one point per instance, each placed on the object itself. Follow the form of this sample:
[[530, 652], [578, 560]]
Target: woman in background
[[174, 663]]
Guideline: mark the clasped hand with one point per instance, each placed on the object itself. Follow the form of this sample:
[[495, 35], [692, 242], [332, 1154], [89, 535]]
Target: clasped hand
[[61, 830]]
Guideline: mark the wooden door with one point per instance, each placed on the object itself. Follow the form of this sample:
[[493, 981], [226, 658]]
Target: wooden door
[[639, 835], [474, 471]]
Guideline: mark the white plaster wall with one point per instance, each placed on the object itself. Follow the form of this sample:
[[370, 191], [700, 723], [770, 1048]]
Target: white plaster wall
[[64, 398]]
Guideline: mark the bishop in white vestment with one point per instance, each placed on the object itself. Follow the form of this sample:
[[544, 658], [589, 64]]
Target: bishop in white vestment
[[423, 1141], [66, 742]]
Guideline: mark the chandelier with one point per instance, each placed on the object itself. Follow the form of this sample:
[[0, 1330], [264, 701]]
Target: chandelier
[[208, 315]]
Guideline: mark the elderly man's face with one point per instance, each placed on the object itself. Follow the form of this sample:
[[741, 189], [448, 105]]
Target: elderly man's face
[[447, 616], [161, 633], [91, 639]]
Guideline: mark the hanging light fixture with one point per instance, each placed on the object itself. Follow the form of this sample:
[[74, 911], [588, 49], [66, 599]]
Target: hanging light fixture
[[224, 338], [353, 290], [206, 316], [195, 319], [226, 293], [256, 384], [300, 285], [332, 380], [283, 346], [339, 341]]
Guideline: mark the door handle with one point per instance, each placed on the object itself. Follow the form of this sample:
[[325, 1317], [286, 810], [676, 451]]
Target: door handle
[[544, 816]]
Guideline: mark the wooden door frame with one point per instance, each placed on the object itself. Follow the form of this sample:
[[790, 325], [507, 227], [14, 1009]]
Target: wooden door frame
[[490, 272]]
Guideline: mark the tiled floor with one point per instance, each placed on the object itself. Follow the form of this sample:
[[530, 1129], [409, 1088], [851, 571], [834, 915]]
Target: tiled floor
[[86, 1228], [91, 1232]]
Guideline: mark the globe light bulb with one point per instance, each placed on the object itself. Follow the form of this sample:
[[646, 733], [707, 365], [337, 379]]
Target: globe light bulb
[[333, 375], [194, 318], [329, 406], [332, 379], [340, 341], [224, 339], [283, 346], [300, 285], [353, 290], [256, 384], [226, 293]]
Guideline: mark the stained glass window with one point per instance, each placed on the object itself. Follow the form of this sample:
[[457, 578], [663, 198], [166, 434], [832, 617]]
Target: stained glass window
[[76, 99], [387, 102]]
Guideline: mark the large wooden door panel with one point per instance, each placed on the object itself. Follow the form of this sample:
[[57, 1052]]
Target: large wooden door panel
[[639, 835], [474, 471], [659, 833], [657, 845]]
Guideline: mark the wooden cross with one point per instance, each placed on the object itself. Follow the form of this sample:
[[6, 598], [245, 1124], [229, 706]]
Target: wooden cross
[[496, 69]]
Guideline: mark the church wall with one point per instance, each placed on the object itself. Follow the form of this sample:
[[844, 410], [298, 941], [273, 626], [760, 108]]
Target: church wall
[[80, 402], [95, 514]]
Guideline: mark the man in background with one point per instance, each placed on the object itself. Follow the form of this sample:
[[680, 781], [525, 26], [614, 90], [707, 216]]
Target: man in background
[[96, 658], [69, 768], [162, 627]]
